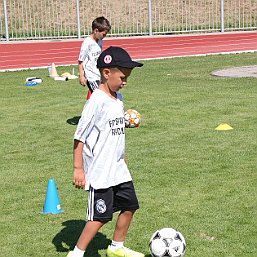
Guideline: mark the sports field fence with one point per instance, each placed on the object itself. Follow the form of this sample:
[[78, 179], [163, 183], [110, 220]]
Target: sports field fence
[[56, 19]]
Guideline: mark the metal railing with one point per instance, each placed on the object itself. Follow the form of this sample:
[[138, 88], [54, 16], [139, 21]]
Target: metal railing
[[49, 19]]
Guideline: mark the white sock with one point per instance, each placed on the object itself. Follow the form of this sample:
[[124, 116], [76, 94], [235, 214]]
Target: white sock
[[77, 252], [116, 245]]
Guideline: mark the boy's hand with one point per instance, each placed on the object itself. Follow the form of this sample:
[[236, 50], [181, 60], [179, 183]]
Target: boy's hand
[[82, 80], [79, 180]]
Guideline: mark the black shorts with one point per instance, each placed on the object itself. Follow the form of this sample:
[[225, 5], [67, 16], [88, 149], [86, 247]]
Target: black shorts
[[102, 203], [92, 85]]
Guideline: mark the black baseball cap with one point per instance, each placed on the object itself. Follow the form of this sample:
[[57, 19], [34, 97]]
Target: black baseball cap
[[115, 56]]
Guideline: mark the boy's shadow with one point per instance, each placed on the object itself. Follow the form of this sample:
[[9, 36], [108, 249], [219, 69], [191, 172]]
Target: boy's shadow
[[67, 238], [74, 120]]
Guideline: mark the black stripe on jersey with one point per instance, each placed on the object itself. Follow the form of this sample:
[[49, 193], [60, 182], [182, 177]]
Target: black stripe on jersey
[[99, 132], [97, 138]]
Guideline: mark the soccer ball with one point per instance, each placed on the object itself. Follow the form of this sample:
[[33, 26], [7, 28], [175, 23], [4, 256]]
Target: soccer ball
[[132, 118], [167, 242]]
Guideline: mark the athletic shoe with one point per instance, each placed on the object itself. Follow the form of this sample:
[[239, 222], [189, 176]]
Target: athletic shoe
[[123, 252], [70, 254]]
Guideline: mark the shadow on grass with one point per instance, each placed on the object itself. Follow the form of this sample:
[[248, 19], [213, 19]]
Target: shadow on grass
[[67, 238], [74, 120]]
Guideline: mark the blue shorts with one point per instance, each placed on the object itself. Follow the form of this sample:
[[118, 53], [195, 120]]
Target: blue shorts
[[102, 203]]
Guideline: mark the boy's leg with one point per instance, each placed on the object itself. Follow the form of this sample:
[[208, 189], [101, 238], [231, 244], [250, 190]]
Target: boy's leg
[[88, 233], [85, 238], [117, 249], [125, 198], [122, 225], [97, 216]]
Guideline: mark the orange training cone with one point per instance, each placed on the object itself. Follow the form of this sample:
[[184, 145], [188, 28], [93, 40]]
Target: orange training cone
[[53, 72], [52, 203]]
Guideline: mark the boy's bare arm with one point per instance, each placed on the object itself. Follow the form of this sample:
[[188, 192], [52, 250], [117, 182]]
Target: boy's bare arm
[[82, 79], [78, 171]]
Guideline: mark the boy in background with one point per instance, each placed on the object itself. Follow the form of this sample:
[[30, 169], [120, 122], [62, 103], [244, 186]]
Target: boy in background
[[99, 156], [90, 50]]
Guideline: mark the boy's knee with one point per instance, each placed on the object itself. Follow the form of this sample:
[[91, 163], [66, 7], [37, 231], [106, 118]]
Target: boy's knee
[[128, 212]]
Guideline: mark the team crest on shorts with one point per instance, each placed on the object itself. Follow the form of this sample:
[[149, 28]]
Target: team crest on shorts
[[101, 206]]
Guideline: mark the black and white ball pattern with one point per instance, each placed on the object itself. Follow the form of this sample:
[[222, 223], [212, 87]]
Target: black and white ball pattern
[[167, 242]]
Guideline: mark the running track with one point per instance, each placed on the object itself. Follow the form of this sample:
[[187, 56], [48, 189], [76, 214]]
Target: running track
[[35, 54]]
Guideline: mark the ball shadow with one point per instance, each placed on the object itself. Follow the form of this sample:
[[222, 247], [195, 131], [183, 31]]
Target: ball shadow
[[74, 120]]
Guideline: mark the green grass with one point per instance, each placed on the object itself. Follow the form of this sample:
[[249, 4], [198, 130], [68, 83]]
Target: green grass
[[187, 175]]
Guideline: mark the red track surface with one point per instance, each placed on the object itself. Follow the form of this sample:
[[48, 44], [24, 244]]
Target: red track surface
[[28, 54]]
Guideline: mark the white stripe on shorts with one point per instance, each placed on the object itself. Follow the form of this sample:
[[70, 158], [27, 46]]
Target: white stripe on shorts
[[93, 85], [90, 207]]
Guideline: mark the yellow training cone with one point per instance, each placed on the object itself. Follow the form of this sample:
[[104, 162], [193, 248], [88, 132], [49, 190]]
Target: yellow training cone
[[223, 126]]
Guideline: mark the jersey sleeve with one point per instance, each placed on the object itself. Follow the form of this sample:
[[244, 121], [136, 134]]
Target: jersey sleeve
[[86, 122], [83, 55]]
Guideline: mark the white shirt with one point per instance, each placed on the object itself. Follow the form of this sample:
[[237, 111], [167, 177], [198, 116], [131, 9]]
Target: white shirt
[[102, 130], [89, 53]]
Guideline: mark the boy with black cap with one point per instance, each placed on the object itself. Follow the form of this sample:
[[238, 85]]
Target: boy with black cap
[[99, 156]]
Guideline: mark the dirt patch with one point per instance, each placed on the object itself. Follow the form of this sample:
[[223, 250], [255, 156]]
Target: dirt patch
[[237, 72]]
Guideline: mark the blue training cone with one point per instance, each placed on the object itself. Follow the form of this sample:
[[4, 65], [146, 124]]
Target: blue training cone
[[52, 203]]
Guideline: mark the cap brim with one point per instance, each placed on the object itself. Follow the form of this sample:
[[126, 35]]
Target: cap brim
[[130, 65]]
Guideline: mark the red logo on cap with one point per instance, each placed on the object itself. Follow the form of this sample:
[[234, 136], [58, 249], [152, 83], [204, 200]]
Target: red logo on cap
[[107, 59]]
